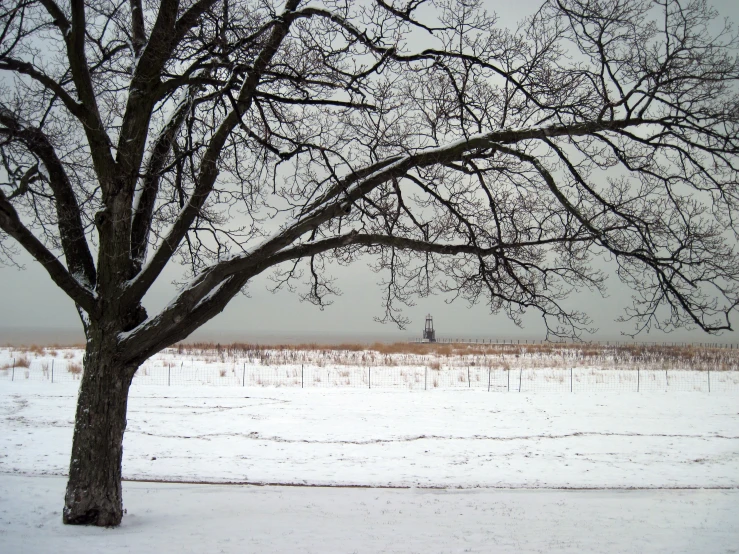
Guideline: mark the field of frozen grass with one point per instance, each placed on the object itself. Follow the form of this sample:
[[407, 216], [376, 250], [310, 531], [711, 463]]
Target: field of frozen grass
[[493, 368]]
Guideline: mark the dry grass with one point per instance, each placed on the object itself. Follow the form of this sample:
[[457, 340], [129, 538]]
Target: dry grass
[[36, 349], [21, 361], [438, 355], [74, 369]]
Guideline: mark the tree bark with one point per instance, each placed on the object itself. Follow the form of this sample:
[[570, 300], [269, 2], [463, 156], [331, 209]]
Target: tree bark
[[94, 488]]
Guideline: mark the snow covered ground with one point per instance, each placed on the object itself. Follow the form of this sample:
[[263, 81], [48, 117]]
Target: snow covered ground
[[164, 518], [460, 453], [380, 438]]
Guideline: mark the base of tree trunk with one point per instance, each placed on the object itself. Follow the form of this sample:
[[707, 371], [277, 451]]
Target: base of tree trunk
[[94, 492], [84, 507]]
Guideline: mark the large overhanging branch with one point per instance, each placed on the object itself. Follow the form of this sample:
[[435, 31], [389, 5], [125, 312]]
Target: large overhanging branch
[[242, 267], [341, 197], [360, 184], [198, 303], [396, 166]]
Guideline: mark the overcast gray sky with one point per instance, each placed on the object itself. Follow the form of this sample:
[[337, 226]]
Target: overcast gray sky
[[33, 309]]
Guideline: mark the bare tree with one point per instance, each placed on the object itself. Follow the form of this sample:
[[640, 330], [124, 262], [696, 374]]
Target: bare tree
[[239, 136]]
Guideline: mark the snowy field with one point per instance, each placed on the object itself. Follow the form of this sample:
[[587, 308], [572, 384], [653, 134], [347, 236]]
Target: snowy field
[[378, 438], [651, 471], [565, 371]]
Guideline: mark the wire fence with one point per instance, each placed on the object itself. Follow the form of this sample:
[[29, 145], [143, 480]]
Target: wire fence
[[492, 379]]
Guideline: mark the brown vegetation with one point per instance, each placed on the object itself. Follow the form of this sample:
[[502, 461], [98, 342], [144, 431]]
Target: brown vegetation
[[74, 369], [21, 361], [437, 355], [36, 349]]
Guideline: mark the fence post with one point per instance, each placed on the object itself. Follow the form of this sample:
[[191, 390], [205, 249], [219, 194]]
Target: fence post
[[667, 381], [12, 377], [570, 379], [243, 376], [469, 383], [520, 376], [709, 379], [52, 370], [637, 379], [169, 374], [302, 376], [509, 379], [489, 370], [369, 377]]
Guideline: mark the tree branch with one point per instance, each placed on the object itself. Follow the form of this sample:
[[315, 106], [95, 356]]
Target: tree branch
[[138, 31], [144, 206], [209, 165], [12, 225], [71, 232], [25, 68]]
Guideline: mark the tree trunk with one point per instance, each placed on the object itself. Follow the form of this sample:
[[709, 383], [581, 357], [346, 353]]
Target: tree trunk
[[94, 488]]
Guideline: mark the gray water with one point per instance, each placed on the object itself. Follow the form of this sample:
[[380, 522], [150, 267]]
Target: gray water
[[69, 336]]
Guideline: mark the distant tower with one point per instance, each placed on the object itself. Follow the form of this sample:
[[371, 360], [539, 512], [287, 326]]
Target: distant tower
[[428, 333]]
